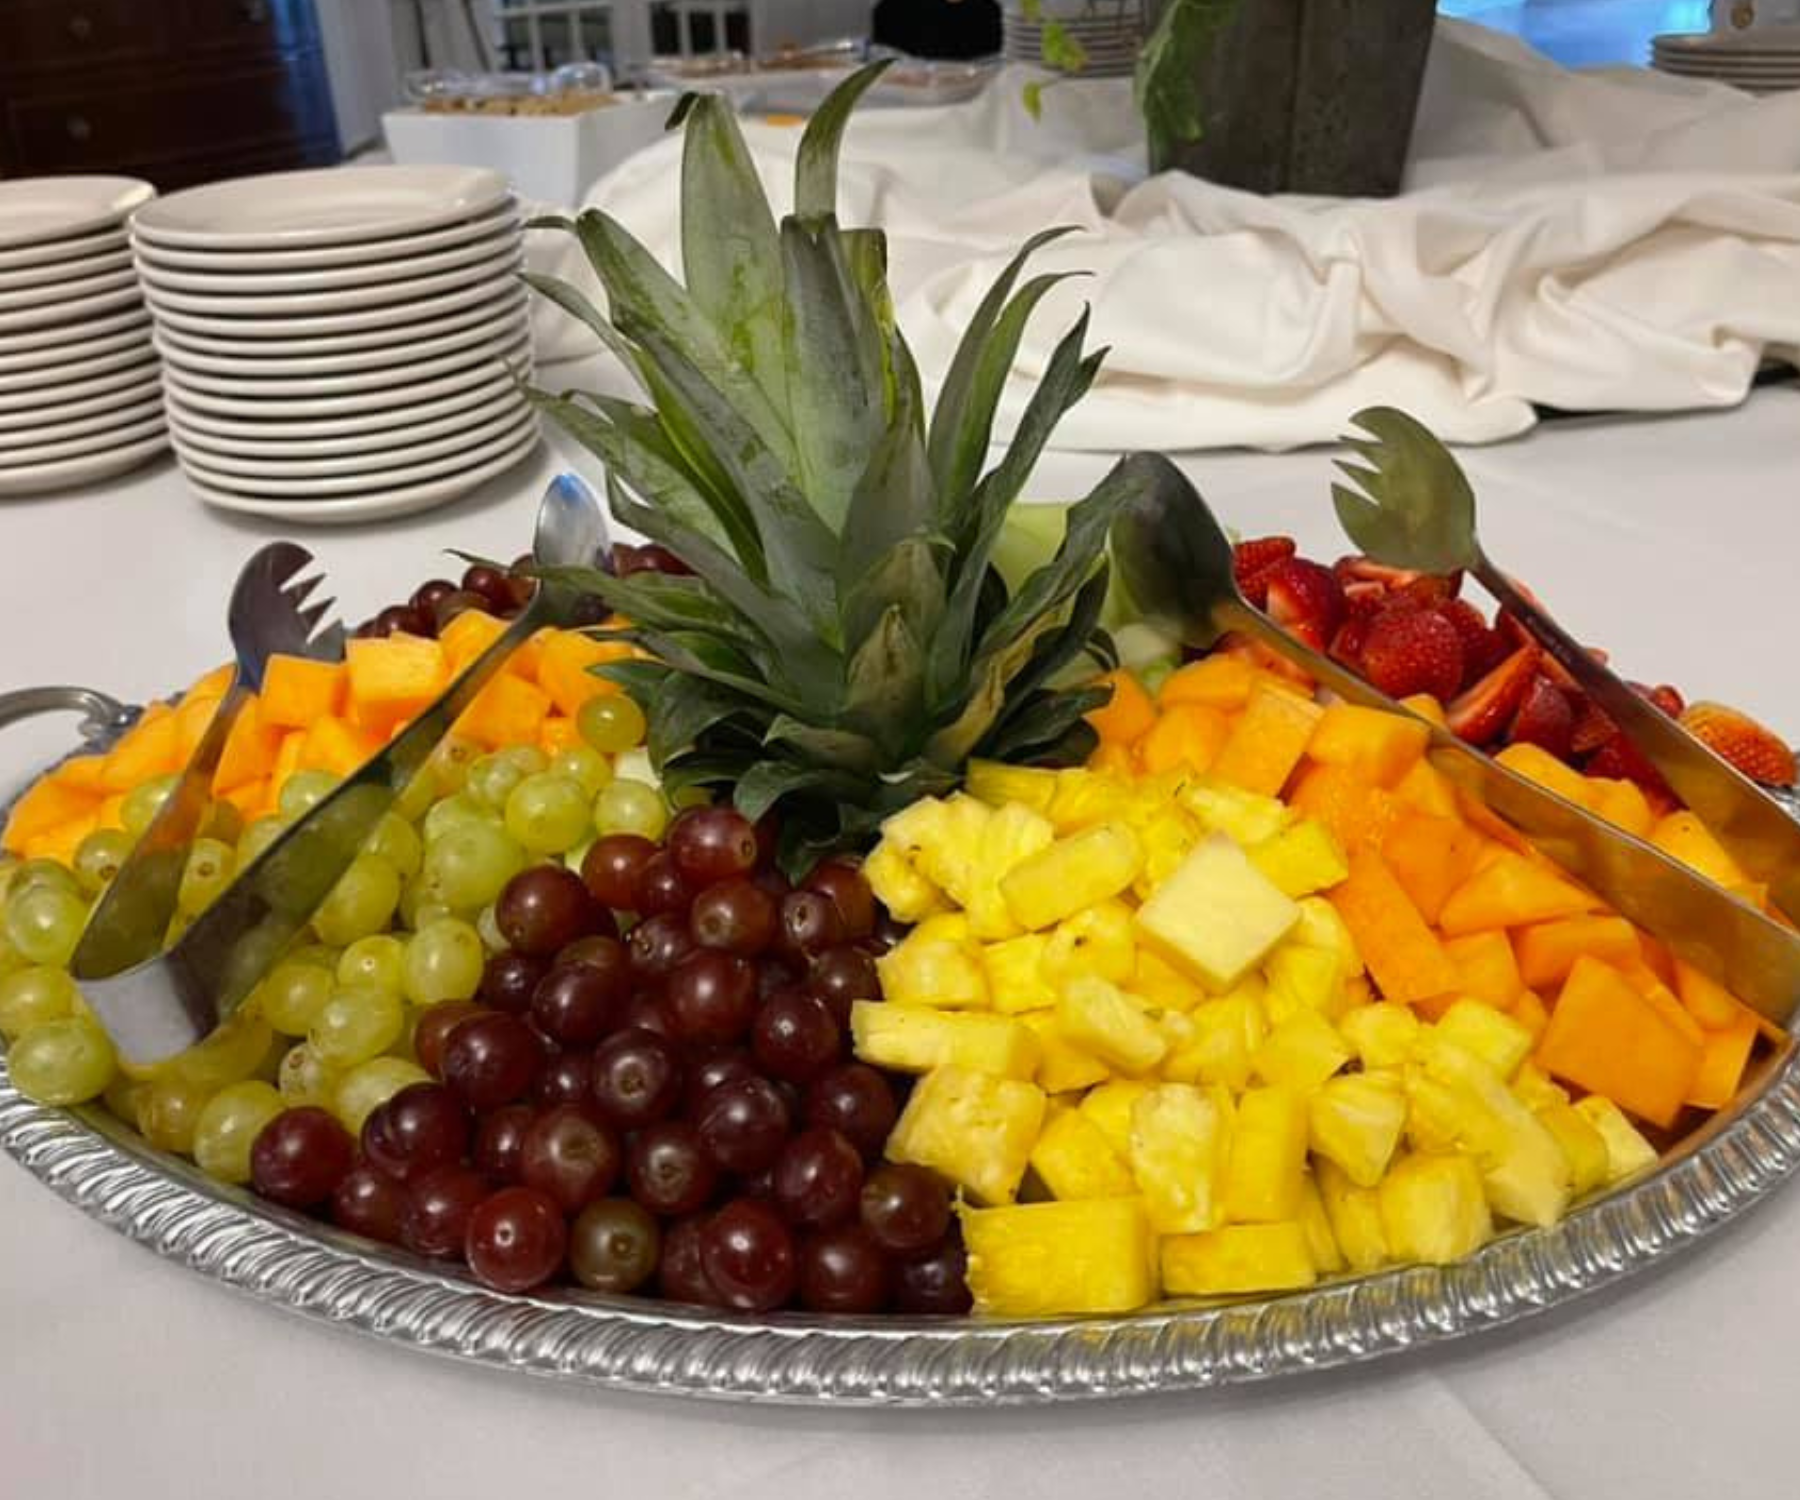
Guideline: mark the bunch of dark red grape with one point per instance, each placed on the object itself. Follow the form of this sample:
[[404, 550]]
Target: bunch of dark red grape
[[674, 1108]]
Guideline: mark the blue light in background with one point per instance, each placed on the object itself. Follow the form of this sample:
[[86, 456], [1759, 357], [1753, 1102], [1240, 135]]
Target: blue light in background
[[1586, 33]]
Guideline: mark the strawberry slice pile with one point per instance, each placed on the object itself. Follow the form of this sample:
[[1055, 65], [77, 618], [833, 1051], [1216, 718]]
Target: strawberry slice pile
[[1407, 633]]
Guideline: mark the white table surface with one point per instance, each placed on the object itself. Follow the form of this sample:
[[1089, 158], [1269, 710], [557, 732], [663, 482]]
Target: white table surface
[[1673, 542]]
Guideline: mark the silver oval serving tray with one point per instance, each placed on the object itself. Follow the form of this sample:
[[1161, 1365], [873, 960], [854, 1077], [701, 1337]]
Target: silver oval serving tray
[[91, 1160]]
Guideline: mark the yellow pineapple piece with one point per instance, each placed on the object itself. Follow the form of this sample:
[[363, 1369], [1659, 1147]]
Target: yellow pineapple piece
[[1094, 1255], [977, 1129], [1356, 1122], [1524, 1172], [1237, 1259], [1013, 834], [1321, 927], [1321, 1239], [1015, 975], [1168, 840], [1268, 1156], [1535, 1088], [1177, 1154], [1217, 915], [1497, 1039], [1109, 1106], [1582, 1146], [1301, 859], [935, 967], [1245, 818], [1433, 1209], [1303, 979], [1627, 1152], [997, 784], [898, 885], [1074, 1159], [916, 1039], [1384, 1034], [949, 847], [1301, 1053], [1103, 1020], [1226, 1035], [1355, 1214], [1071, 874], [1096, 942], [1062, 1066], [1159, 983], [1082, 799]]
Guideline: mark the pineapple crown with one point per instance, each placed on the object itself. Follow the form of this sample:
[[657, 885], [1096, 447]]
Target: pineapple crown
[[845, 642]]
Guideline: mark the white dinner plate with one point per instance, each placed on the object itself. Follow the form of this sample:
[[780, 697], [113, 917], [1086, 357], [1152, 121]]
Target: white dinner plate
[[355, 351], [372, 505], [25, 429], [72, 296], [259, 382], [88, 468], [377, 416], [17, 347], [303, 304], [55, 402], [68, 318], [102, 438], [257, 408], [267, 360], [51, 251], [328, 440], [337, 486], [325, 206], [80, 361], [235, 284], [330, 325], [321, 257], [36, 210], [58, 272], [381, 451]]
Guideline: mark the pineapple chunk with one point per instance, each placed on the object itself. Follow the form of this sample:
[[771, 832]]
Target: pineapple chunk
[[1246, 818], [1301, 1053], [1536, 1088], [1095, 942], [1162, 985], [1268, 1156], [935, 966], [1074, 1159], [997, 784], [916, 1039], [1303, 979], [1217, 914], [1091, 1256], [1062, 1066], [1582, 1145], [1226, 1034], [1355, 1214], [1110, 1107], [1320, 926], [1301, 859], [1015, 976], [1082, 799], [1237, 1259], [1498, 1040], [975, 1128], [1321, 1240], [1103, 1020], [1072, 874], [1384, 1034], [1013, 834], [1178, 1150], [898, 885], [1627, 1152], [1526, 1175], [949, 847], [1433, 1209], [1356, 1121]]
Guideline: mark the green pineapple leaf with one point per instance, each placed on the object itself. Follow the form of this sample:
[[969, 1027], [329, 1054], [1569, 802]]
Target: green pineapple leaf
[[816, 166]]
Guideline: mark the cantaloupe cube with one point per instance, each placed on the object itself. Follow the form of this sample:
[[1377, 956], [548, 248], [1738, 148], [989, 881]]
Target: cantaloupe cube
[[1707, 1001], [1266, 743], [1267, 1156], [1357, 813], [214, 684], [1238, 1259], [1187, 736], [916, 1039], [1513, 891], [1486, 967], [392, 678], [565, 668], [1430, 857], [1377, 746], [1403, 955], [1531, 1013], [1216, 681], [1621, 803], [976, 1128], [1548, 950], [82, 773], [1723, 1057], [297, 692], [1607, 1038], [1538, 765], [1128, 715], [556, 734], [1427, 708], [251, 751], [47, 805], [467, 636], [192, 719], [287, 761], [1095, 1255], [1683, 837], [150, 748], [1074, 1159], [1425, 788], [335, 746], [508, 711]]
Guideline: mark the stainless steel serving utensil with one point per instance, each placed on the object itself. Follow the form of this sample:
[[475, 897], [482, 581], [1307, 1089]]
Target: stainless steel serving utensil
[[272, 613], [171, 1001], [101, 717], [1417, 510], [1177, 566]]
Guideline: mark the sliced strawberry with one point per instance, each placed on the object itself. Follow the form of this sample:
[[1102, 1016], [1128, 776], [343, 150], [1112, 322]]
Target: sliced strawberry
[[1479, 713], [1544, 719], [1512, 634], [1662, 696], [1358, 569], [1305, 600], [1621, 760], [1413, 651], [1251, 561], [1260, 656], [1362, 603], [1734, 736], [1483, 647], [1593, 726], [1432, 589]]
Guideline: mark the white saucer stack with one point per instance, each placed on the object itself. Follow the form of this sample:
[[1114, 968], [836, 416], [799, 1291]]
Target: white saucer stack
[[1761, 60], [79, 383], [341, 345]]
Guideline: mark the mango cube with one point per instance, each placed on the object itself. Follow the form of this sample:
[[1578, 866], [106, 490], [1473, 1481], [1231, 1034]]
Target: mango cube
[[1606, 1037], [1404, 956], [1430, 856], [1266, 743], [1072, 874], [1268, 1156], [1433, 1209], [1217, 681], [1356, 1122], [1104, 1021], [1092, 1255], [1548, 950], [1074, 1159], [1178, 1151], [1486, 967], [1217, 914], [916, 1039], [1238, 1259], [975, 1128], [1511, 891]]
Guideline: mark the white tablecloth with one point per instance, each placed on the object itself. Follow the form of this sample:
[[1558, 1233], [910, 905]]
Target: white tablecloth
[[1673, 542]]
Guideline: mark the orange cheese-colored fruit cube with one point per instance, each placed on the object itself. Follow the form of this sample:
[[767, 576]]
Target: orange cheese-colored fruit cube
[[1188, 736], [1378, 746], [1426, 707], [1486, 967], [332, 745], [192, 719], [1430, 856], [1548, 950], [1267, 741], [150, 749], [47, 806], [1402, 954], [297, 692], [1706, 1000], [1425, 788], [1723, 1057], [508, 711], [1621, 803], [1126, 716], [1213, 682], [82, 773], [287, 761], [1682, 836], [61, 841], [215, 684], [1531, 1013], [556, 734], [565, 666], [1607, 1038], [392, 678], [1512, 891], [467, 636], [112, 811], [1538, 765], [250, 751], [249, 799], [1114, 760], [1357, 814]]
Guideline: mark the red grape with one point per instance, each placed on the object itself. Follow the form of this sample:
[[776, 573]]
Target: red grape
[[649, 1011], [840, 977], [436, 1022], [577, 1004], [299, 1157], [906, 1208], [491, 584], [680, 1272], [843, 884], [657, 944], [614, 1246], [668, 1170], [661, 888], [508, 980], [403, 619], [438, 1206], [749, 1257], [744, 1124], [807, 925], [612, 867], [370, 1203], [499, 1140], [712, 998], [773, 976], [565, 1078], [937, 1283], [795, 1037], [649, 558], [426, 596], [817, 1179], [636, 1078], [714, 1069], [515, 1239], [570, 1154], [421, 1127], [491, 1059], [544, 908], [600, 950], [736, 915], [456, 602], [710, 844], [857, 1101], [843, 1271]]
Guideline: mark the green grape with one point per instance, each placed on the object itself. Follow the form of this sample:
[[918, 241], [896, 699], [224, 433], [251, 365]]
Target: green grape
[[36, 872], [361, 903], [293, 995], [470, 865], [67, 1061], [397, 841], [355, 1025], [690, 796], [305, 790], [451, 761], [9, 866], [427, 912], [403, 1046], [377, 962], [305, 1078], [98, 857], [528, 758], [44, 923], [456, 812], [586, 765], [123, 1096], [444, 962], [319, 955], [143, 802], [11, 960], [368, 1086], [228, 1127], [487, 923], [169, 1113], [232, 1053], [417, 795], [257, 838], [225, 822], [210, 866], [491, 780], [549, 814], [611, 722], [631, 806], [32, 996]]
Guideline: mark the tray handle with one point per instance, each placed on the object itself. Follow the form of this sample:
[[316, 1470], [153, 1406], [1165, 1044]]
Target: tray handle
[[101, 717]]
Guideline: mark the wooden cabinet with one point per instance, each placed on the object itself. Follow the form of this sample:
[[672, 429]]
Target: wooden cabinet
[[176, 91]]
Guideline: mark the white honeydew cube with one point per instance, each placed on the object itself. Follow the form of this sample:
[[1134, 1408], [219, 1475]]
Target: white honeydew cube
[[1217, 914]]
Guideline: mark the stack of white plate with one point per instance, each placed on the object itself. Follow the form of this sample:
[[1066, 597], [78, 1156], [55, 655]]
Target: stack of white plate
[[1109, 34], [1763, 60], [79, 391], [341, 345]]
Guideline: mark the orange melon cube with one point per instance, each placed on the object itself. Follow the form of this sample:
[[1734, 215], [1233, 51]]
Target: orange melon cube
[[82, 773], [1538, 765], [1114, 760], [1607, 1038], [1401, 952], [297, 692], [112, 811], [47, 806], [192, 719], [1426, 707], [215, 684], [556, 734], [1125, 717], [249, 753], [1683, 837], [565, 664], [1358, 814], [1212, 682], [151, 748], [392, 678], [1486, 967], [1378, 746], [287, 761], [467, 636], [1705, 999], [1267, 741], [1426, 788], [249, 799], [1548, 950], [1188, 736], [1430, 857], [1512, 891], [332, 745], [1621, 803], [1723, 1057], [61, 841], [1531, 1013], [508, 711]]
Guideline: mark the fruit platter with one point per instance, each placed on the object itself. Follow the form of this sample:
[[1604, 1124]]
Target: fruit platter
[[868, 949]]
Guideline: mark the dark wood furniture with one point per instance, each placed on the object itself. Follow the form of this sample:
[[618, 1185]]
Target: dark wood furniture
[[176, 91]]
